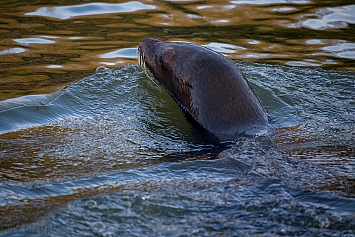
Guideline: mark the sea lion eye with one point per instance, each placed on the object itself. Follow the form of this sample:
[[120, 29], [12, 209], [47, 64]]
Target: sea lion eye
[[159, 59]]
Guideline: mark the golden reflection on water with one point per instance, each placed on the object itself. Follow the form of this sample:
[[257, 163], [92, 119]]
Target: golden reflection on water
[[44, 47]]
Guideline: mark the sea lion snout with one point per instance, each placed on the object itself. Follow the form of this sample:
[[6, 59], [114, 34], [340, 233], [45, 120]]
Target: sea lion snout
[[146, 51]]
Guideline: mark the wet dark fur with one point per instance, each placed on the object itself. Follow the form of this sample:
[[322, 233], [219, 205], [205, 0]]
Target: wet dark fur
[[205, 84]]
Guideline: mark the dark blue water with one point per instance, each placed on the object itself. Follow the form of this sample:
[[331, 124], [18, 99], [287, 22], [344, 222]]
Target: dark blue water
[[113, 155]]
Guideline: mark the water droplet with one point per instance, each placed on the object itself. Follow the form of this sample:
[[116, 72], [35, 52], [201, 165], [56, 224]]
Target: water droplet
[[91, 204], [101, 69]]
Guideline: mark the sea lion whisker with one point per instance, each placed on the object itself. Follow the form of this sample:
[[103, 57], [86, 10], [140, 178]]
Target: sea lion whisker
[[144, 67], [150, 76]]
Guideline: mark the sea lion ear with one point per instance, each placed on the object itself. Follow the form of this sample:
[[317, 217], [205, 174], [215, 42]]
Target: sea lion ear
[[168, 55]]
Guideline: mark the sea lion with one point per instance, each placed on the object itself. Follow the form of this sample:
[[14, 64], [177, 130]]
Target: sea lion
[[207, 85]]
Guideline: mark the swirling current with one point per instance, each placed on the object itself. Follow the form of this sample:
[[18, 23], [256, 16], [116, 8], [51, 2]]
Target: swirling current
[[113, 155]]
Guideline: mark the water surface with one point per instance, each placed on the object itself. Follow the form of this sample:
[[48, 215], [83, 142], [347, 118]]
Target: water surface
[[110, 153], [113, 154], [45, 45]]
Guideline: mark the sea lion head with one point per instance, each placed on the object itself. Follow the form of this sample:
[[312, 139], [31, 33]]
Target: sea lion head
[[157, 59]]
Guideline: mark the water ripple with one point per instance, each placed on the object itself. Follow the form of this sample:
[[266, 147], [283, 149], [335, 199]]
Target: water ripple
[[66, 12]]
